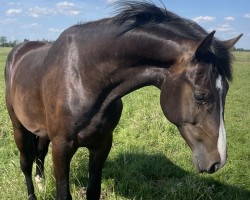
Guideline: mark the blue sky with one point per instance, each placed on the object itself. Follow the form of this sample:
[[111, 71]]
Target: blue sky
[[38, 19]]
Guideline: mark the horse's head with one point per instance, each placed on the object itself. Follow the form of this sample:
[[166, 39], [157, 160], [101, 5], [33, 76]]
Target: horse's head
[[194, 99]]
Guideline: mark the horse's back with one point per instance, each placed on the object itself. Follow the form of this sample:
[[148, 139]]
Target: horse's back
[[19, 51]]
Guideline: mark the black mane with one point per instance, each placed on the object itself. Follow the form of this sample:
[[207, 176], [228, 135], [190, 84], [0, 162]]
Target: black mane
[[137, 14]]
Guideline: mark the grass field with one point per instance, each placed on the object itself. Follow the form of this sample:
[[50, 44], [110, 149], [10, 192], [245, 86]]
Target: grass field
[[149, 159]]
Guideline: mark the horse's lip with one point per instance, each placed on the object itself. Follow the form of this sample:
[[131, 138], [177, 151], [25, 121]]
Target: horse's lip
[[200, 169], [198, 165]]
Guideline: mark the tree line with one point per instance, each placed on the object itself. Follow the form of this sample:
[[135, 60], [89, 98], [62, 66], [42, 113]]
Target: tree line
[[5, 43]]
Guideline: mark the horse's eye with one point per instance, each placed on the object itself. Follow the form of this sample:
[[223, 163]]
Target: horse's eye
[[200, 98]]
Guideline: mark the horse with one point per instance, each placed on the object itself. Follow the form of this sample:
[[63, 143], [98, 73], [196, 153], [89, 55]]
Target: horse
[[68, 93]]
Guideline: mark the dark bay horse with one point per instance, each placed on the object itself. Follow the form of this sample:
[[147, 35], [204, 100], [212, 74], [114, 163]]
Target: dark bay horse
[[69, 92]]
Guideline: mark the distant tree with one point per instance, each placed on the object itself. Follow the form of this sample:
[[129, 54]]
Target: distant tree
[[240, 49], [3, 41], [46, 40], [13, 43]]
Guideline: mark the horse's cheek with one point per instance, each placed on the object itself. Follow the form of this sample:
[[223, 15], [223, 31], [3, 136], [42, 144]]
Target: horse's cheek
[[170, 106]]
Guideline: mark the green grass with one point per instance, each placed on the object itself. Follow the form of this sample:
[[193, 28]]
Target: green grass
[[149, 159]]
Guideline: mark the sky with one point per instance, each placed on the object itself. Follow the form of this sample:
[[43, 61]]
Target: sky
[[46, 19]]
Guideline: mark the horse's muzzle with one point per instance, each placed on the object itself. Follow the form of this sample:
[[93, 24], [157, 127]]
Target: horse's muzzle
[[203, 165]]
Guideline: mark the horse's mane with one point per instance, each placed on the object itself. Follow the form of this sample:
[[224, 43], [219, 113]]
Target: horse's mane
[[138, 14]]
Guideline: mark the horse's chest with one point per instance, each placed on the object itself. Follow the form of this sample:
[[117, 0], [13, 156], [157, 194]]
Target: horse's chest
[[101, 125]]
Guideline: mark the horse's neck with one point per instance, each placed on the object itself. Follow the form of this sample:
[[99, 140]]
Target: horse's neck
[[139, 64]]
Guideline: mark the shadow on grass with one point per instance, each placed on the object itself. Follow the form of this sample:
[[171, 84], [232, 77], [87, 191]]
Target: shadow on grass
[[143, 176]]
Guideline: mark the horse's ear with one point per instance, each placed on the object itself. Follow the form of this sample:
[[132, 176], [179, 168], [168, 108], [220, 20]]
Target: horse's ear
[[230, 43], [204, 45]]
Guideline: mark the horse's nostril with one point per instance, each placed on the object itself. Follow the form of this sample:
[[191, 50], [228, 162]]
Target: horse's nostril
[[214, 167]]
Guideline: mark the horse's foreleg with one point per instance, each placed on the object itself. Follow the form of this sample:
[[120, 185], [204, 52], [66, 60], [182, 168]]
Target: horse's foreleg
[[99, 153], [97, 157], [25, 143], [41, 151], [62, 153]]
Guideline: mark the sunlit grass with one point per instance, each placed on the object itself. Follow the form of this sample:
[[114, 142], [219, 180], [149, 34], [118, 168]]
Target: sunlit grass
[[149, 159]]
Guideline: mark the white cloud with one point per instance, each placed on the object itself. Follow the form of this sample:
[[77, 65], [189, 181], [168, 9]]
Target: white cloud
[[33, 25], [247, 15], [73, 12], [67, 8], [14, 11], [14, 4], [202, 19], [55, 30], [111, 1], [65, 4], [40, 11], [229, 18], [64, 8], [224, 28]]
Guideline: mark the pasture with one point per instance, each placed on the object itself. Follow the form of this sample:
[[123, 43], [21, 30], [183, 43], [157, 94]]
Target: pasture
[[149, 159]]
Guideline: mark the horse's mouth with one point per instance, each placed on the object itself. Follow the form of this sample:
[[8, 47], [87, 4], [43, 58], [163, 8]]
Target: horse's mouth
[[211, 168], [198, 166]]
